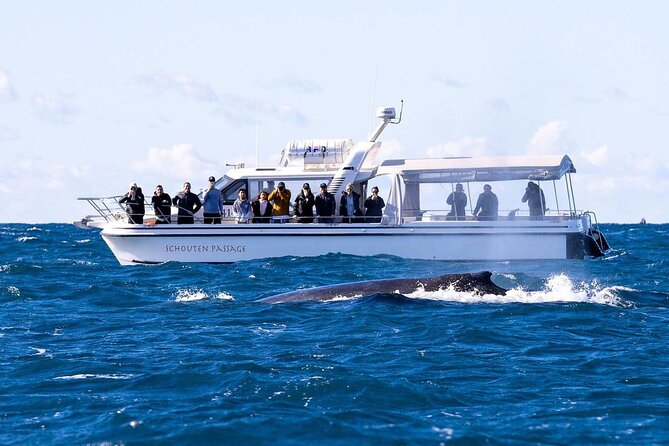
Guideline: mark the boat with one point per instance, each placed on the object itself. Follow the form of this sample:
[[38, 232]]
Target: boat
[[405, 228]]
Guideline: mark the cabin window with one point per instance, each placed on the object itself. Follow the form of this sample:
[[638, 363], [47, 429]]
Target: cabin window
[[231, 192]]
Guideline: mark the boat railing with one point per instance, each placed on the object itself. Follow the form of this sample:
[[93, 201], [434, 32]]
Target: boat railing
[[439, 215], [107, 208]]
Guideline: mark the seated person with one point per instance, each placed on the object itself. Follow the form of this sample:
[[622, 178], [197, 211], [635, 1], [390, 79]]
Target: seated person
[[487, 205]]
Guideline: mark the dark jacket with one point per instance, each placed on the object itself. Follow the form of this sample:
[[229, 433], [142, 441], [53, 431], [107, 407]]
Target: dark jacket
[[374, 209], [535, 199], [162, 207], [325, 204], [259, 217], [304, 207], [488, 205], [188, 204], [134, 206], [458, 202]]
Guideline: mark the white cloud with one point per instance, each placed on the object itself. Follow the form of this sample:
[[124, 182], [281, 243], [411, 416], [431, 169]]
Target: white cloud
[[180, 83], [499, 104], [9, 133], [240, 111], [551, 138], [294, 83], [7, 92], [57, 108], [598, 156], [447, 81], [467, 146], [175, 165]]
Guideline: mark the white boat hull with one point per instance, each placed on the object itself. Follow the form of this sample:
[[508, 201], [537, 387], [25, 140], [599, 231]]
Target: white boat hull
[[454, 241]]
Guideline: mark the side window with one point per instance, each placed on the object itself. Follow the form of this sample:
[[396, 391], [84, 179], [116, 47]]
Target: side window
[[231, 193]]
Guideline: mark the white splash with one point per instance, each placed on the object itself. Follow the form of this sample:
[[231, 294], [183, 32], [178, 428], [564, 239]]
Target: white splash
[[557, 289], [38, 351], [14, 291], [86, 240], [224, 296], [25, 239], [190, 295], [94, 376]]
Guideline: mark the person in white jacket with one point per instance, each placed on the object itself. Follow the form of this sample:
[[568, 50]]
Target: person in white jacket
[[241, 208]]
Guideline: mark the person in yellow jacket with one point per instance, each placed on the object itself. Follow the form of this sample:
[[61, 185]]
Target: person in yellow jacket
[[280, 198]]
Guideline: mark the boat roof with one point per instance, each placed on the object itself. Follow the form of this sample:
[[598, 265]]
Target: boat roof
[[471, 169]]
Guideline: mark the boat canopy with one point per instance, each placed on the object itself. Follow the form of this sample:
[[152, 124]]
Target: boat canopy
[[466, 169]]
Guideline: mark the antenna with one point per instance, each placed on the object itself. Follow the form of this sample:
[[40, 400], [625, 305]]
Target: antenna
[[257, 117], [371, 112], [387, 115]]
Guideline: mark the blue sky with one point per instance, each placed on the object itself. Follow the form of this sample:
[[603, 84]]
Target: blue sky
[[96, 95]]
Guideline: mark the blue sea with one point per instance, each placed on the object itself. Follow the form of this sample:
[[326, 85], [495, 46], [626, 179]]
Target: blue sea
[[95, 353]]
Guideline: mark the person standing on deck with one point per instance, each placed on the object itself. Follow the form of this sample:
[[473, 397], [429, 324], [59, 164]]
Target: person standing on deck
[[162, 206], [134, 207], [326, 205], [212, 203], [374, 206], [536, 201], [458, 202], [280, 198], [304, 205], [188, 204]]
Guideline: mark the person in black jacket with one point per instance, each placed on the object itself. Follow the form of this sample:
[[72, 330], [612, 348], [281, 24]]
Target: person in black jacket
[[326, 205], [536, 201], [349, 205], [188, 204], [304, 205], [262, 209], [374, 207], [162, 206], [134, 207]]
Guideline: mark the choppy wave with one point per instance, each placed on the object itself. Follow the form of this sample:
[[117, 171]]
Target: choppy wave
[[96, 353]]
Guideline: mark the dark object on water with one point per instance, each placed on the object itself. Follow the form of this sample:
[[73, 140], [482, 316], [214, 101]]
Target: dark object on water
[[643, 221], [480, 283]]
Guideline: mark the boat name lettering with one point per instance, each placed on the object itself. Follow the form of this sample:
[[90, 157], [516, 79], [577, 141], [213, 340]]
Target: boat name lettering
[[205, 248]]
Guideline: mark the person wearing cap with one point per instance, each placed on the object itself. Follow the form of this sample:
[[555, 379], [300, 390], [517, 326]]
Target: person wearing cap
[[487, 205], [188, 204], [280, 198], [134, 200], [374, 207], [241, 208], [349, 205], [304, 205], [458, 202], [212, 202], [162, 206], [536, 201], [326, 205]]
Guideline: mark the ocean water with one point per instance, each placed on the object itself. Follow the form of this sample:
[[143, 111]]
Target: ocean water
[[95, 353]]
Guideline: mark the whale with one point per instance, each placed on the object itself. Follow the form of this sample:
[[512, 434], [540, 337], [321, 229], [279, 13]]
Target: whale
[[479, 283]]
